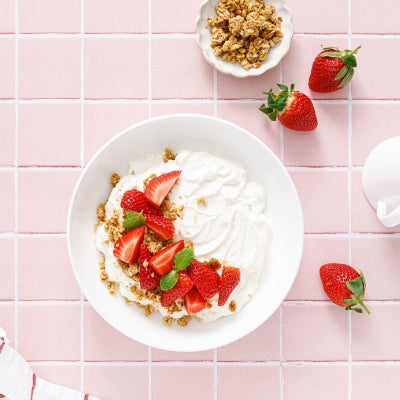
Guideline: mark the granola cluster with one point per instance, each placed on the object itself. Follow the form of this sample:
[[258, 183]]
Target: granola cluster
[[243, 31]]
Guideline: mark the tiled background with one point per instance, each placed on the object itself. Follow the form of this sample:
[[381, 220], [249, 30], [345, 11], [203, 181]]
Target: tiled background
[[75, 72]]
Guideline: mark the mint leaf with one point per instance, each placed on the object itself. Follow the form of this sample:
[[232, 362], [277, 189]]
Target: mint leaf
[[183, 258], [134, 220], [168, 281]]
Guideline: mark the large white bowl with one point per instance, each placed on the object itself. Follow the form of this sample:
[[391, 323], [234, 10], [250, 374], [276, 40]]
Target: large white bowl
[[276, 53], [192, 132]]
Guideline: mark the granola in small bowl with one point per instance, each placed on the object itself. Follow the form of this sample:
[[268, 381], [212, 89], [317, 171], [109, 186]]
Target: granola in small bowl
[[244, 37]]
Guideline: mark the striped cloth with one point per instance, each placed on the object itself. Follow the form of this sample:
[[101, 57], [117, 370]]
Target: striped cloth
[[19, 382]]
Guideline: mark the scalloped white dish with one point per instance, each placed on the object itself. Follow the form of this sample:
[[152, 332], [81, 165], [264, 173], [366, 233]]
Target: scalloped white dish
[[203, 36], [197, 133]]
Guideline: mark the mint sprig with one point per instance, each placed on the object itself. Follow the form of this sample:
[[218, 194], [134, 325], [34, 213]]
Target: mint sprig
[[134, 220], [182, 260]]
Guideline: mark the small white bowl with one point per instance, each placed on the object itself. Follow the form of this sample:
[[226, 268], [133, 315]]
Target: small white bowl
[[191, 132], [203, 36]]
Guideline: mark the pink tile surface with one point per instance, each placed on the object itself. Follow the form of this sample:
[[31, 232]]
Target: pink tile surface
[[370, 382], [322, 331], [47, 192], [7, 68], [7, 16], [376, 333], [60, 16], [174, 22], [325, 146], [196, 379], [303, 22], [124, 16], [127, 381], [7, 126], [255, 381], [74, 73], [7, 270], [260, 345], [114, 63], [164, 56], [45, 278], [104, 120], [110, 345], [317, 187], [58, 137], [49, 332], [7, 209], [49, 68], [371, 14], [315, 382]]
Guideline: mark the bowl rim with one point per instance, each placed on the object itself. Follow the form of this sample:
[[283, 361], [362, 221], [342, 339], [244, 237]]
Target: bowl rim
[[278, 302], [230, 69]]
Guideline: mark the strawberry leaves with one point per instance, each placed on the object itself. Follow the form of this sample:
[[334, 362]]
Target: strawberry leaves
[[357, 287], [276, 102], [182, 260]]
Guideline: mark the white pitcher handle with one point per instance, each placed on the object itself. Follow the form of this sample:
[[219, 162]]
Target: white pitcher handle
[[388, 211]]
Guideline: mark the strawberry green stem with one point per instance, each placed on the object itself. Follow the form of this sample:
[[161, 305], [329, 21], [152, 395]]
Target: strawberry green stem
[[364, 306]]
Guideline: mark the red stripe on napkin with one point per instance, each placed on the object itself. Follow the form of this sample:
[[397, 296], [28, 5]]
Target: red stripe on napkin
[[33, 385], [2, 345]]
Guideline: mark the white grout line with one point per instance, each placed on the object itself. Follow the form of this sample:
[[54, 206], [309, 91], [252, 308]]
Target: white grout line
[[150, 60], [16, 181], [82, 159], [180, 35]]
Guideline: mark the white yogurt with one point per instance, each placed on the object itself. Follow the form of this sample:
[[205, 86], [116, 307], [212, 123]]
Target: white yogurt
[[231, 227]]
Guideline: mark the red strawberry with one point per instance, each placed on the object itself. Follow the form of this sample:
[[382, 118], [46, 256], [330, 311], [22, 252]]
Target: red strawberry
[[230, 278], [206, 279], [149, 279], [135, 200], [332, 69], [161, 226], [343, 285], [163, 261], [294, 109], [127, 247], [158, 188], [194, 302], [184, 284]]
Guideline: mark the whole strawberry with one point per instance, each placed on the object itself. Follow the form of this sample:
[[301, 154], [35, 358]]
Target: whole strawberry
[[343, 285], [293, 109], [332, 69]]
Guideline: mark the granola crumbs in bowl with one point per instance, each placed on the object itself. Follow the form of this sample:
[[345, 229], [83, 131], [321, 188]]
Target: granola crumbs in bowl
[[244, 37]]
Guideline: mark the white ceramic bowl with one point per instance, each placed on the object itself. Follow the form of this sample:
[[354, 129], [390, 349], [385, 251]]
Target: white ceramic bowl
[[192, 132], [203, 36]]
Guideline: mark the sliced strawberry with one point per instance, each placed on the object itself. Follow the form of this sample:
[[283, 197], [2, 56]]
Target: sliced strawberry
[[206, 279], [161, 226], [194, 301], [135, 200], [158, 188], [149, 279], [230, 278], [163, 261], [184, 284], [127, 247]]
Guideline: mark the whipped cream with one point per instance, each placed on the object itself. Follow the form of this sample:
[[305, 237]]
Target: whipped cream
[[223, 215]]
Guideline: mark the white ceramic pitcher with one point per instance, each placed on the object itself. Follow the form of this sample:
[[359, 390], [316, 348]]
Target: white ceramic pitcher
[[381, 181]]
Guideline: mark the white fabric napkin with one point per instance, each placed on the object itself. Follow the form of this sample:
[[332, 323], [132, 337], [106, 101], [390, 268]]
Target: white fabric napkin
[[19, 382]]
